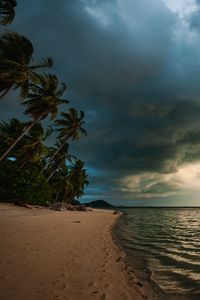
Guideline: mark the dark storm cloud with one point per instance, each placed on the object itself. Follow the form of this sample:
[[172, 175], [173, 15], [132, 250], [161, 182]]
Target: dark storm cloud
[[99, 57], [132, 68]]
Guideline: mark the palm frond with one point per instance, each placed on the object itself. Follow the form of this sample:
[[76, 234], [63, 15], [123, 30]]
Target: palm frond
[[48, 132], [47, 62], [7, 12], [24, 89]]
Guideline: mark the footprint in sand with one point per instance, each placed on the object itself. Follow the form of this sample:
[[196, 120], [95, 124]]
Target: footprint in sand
[[91, 284], [119, 258]]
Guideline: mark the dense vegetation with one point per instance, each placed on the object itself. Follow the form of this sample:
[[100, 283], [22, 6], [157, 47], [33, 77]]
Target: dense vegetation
[[31, 171]]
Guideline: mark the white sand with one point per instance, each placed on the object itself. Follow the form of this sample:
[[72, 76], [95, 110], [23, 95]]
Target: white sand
[[61, 255]]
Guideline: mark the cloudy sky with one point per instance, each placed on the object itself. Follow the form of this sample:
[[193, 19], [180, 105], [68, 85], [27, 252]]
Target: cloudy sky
[[134, 68]]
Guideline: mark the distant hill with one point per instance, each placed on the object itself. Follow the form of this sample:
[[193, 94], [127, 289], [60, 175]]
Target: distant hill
[[99, 204]]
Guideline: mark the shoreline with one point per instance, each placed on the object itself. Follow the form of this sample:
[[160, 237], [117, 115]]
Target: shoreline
[[129, 267], [63, 255]]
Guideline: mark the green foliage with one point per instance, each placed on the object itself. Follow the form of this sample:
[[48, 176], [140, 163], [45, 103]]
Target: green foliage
[[15, 70], [7, 12], [77, 178], [24, 185], [38, 174], [44, 96], [70, 126]]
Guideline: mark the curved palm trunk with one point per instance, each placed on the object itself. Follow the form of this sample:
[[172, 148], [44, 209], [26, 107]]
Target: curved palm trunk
[[58, 194], [23, 164], [53, 172], [14, 143], [57, 151], [5, 93], [75, 193]]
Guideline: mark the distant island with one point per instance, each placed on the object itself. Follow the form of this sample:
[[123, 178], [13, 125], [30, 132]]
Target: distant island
[[99, 204]]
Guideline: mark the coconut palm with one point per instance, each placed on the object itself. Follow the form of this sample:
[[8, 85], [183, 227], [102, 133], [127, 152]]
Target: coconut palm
[[60, 184], [70, 128], [33, 148], [71, 125], [15, 70], [9, 131], [7, 11], [78, 178], [60, 159], [42, 100]]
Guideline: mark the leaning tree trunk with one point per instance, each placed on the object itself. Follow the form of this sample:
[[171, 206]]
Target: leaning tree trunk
[[14, 143], [58, 194], [5, 87], [53, 172], [57, 151], [23, 164], [5, 92]]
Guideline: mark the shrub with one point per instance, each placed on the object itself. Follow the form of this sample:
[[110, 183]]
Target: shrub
[[25, 185]]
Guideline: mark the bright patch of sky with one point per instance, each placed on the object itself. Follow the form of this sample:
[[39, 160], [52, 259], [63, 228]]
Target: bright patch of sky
[[101, 11], [186, 179], [98, 14], [182, 7]]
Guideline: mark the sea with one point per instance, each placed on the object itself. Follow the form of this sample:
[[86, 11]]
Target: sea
[[163, 247]]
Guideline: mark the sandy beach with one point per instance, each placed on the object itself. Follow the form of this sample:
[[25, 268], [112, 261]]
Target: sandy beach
[[64, 255]]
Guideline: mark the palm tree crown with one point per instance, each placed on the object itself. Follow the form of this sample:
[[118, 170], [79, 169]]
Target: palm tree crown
[[78, 178], [42, 100], [7, 11], [15, 55], [71, 125], [9, 131], [59, 160], [44, 96], [32, 147]]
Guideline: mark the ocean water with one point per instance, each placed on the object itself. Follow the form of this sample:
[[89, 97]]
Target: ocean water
[[163, 246]]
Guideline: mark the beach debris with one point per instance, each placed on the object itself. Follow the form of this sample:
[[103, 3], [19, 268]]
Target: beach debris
[[116, 212], [119, 258], [139, 283], [63, 206], [23, 204], [28, 206]]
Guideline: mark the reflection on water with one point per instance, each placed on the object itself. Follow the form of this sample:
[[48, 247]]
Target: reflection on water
[[165, 242]]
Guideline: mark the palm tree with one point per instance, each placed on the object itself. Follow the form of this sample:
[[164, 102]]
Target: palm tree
[[9, 131], [60, 159], [61, 184], [42, 100], [15, 56], [78, 179], [71, 128], [33, 148], [7, 11], [72, 122]]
